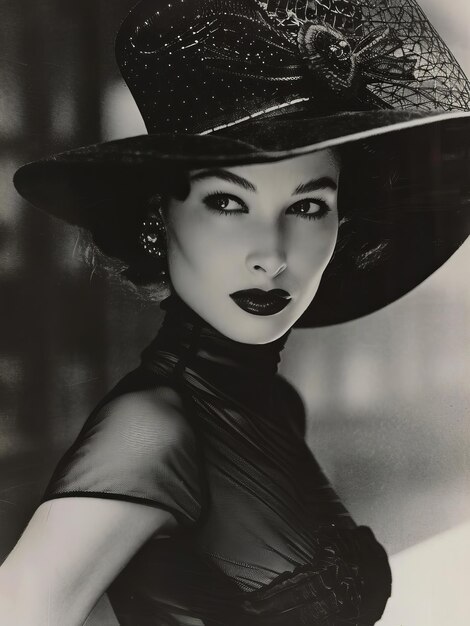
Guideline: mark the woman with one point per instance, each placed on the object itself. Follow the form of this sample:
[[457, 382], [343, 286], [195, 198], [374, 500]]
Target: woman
[[277, 187]]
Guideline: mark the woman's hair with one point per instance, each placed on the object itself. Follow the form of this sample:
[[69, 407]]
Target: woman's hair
[[117, 252]]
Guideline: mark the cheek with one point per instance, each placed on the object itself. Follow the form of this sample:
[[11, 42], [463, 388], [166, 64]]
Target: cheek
[[199, 244], [313, 246]]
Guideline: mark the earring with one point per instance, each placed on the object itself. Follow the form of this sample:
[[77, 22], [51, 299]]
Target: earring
[[152, 237]]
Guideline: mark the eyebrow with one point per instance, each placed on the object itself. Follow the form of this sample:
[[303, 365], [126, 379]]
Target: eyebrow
[[325, 182], [224, 175]]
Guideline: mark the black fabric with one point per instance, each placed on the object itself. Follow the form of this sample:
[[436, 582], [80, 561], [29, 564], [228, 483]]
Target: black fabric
[[125, 450], [262, 537]]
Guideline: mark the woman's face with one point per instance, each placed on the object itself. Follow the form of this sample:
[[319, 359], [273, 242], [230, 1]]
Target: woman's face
[[254, 227]]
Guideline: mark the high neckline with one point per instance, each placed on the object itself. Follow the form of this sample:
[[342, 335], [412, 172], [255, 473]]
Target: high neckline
[[189, 337]]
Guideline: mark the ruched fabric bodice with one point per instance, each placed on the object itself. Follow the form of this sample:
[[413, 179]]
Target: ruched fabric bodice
[[262, 539]]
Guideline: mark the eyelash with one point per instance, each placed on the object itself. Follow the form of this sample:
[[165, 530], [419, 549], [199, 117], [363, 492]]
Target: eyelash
[[220, 194], [324, 209]]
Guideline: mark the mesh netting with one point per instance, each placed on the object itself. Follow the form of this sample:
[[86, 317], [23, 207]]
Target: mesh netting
[[439, 81]]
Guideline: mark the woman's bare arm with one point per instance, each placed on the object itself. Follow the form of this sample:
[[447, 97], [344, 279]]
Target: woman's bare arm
[[74, 547], [68, 555]]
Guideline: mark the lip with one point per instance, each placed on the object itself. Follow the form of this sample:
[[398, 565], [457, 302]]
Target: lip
[[260, 302]]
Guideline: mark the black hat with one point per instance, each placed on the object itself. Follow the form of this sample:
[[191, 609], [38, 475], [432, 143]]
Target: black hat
[[246, 81]]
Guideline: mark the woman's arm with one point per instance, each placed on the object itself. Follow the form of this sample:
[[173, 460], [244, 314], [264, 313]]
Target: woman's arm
[[74, 546], [70, 552]]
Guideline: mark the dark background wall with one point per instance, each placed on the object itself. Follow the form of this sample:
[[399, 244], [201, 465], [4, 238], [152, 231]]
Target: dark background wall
[[388, 396], [58, 346]]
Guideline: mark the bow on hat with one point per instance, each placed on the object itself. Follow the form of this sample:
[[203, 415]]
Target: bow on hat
[[344, 64]]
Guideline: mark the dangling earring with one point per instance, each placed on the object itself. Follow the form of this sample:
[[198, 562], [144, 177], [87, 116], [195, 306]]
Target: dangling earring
[[152, 237]]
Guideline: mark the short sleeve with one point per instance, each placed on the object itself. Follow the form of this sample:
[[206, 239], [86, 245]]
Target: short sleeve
[[138, 447]]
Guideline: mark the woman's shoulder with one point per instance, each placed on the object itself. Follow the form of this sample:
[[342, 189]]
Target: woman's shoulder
[[161, 407], [144, 413], [137, 445]]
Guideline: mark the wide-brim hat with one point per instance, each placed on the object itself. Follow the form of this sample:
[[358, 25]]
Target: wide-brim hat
[[227, 82]]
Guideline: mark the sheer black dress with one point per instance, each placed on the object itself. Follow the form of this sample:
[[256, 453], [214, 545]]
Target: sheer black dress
[[262, 539]]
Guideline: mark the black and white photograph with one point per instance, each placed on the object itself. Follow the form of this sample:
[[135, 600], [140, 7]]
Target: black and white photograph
[[235, 312]]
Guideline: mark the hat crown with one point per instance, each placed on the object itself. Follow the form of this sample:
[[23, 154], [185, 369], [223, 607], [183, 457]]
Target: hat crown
[[194, 66]]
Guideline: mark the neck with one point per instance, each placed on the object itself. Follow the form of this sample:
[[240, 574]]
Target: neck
[[194, 341]]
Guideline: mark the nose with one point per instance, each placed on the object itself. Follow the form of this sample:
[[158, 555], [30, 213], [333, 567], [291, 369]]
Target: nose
[[268, 254]]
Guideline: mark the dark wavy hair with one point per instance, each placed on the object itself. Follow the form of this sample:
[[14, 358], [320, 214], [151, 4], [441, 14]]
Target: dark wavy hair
[[116, 252]]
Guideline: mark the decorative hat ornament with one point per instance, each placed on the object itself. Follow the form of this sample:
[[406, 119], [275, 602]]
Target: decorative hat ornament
[[344, 64]]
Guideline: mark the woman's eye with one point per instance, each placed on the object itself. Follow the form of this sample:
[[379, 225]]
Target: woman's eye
[[225, 203], [311, 209]]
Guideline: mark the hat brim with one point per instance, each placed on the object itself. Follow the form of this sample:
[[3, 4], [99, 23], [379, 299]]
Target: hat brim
[[387, 248], [61, 184]]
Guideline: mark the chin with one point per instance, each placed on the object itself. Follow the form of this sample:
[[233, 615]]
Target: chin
[[255, 330], [260, 330]]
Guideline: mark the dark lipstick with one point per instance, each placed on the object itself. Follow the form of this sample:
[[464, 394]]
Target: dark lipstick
[[259, 302]]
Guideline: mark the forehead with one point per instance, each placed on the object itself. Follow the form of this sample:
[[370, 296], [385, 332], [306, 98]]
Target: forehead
[[291, 171]]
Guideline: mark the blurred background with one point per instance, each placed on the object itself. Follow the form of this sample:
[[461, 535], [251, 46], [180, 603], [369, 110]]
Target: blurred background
[[388, 396]]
